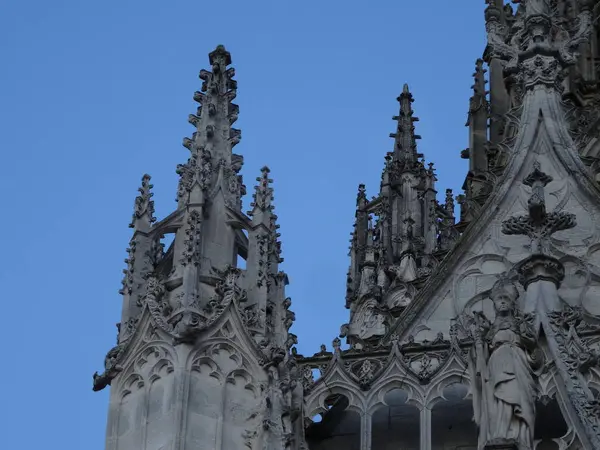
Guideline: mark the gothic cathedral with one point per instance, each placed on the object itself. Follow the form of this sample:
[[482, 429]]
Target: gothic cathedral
[[475, 330]]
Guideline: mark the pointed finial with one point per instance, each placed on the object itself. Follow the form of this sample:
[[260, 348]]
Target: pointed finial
[[361, 197], [337, 344], [449, 202], [479, 77], [263, 192], [143, 213], [405, 145], [220, 55]]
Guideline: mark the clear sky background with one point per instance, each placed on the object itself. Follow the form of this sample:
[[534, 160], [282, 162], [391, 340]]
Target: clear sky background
[[93, 94]]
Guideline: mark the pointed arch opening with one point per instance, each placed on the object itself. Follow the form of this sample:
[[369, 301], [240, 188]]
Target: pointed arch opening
[[335, 427], [452, 424], [550, 425], [396, 423]]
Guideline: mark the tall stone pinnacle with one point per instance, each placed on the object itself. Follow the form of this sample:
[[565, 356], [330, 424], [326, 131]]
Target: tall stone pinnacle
[[405, 145], [143, 214], [262, 198], [211, 144], [477, 123]]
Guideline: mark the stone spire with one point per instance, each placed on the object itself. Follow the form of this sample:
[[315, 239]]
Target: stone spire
[[139, 261], [214, 138], [210, 187], [357, 243], [262, 208], [405, 139], [265, 282], [143, 214], [478, 123], [398, 251]]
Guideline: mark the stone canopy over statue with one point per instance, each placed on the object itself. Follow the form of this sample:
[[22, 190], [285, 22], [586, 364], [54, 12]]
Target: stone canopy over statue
[[505, 358]]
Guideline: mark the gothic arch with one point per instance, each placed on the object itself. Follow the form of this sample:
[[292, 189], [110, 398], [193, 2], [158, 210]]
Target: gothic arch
[[151, 353], [130, 418], [238, 356], [160, 401], [249, 382], [447, 376], [339, 426], [213, 347], [214, 369], [395, 417], [316, 400], [390, 381], [132, 383]]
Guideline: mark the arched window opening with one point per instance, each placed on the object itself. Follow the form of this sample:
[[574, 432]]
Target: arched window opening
[[549, 424], [452, 424], [336, 428], [396, 424]]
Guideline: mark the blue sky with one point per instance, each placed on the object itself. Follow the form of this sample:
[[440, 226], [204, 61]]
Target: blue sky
[[95, 94]]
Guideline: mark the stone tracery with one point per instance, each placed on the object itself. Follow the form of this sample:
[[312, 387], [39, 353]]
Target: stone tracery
[[415, 287]]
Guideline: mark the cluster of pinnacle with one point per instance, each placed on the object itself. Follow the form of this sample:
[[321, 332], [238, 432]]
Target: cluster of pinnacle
[[217, 82]]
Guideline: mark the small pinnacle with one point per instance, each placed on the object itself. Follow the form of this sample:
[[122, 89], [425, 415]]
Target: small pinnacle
[[143, 213], [220, 51], [263, 193], [405, 89]]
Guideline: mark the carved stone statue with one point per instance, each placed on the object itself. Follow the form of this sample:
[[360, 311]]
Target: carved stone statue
[[368, 321], [504, 359], [111, 368]]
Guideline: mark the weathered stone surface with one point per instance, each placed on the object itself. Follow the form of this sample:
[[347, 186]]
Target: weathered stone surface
[[491, 314]]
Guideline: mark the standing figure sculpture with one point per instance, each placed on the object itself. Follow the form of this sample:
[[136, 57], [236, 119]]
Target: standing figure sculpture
[[504, 360]]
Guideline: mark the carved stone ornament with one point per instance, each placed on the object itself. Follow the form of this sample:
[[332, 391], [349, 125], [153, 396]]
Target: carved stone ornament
[[538, 225], [504, 360], [191, 252], [196, 172], [144, 206], [533, 44], [192, 322], [541, 267], [578, 358], [111, 362]]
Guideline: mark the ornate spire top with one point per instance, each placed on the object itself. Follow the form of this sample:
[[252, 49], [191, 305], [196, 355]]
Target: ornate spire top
[[479, 91], [405, 145], [219, 57], [361, 197], [143, 214], [263, 193], [212, 142]]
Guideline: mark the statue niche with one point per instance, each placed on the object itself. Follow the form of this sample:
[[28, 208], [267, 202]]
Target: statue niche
[[504, 361]]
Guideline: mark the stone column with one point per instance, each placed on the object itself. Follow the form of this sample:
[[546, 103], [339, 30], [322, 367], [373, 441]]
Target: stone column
[[541, 278], [365, 431], [425, 428]]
